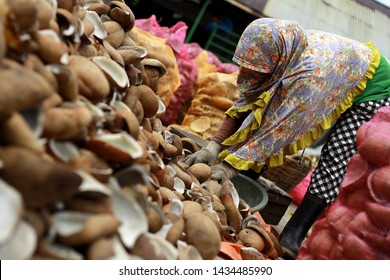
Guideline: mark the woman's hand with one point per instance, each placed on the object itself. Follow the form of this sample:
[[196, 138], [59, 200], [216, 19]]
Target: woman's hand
[[208, 155], [223, 172]]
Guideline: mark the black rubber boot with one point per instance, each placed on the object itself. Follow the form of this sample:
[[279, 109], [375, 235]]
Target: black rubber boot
[[299, 224]]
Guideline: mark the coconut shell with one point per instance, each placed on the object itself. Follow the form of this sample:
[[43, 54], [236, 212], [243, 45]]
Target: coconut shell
[[101, 249], [92, 81], [250, 238], [116, 34], [39, 181], [176, 231], [202, 233], [16, 131], [51, 50], [63, 123], [250, 254], [148, 99], [34, 63], [201, 171], [31, 88], [122, 13], [269, 246], [201, 124], [100, 8], [233, 215], [97, 226]]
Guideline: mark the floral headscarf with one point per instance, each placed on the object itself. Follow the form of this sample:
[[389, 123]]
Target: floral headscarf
[[312, 78]]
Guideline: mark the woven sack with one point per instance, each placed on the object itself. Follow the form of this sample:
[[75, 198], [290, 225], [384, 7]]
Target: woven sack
[[294, 170]]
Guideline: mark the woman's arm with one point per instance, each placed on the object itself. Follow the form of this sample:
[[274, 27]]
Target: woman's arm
[[228, 127]]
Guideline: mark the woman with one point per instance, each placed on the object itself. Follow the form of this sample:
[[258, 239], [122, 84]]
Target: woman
[[294, 84]]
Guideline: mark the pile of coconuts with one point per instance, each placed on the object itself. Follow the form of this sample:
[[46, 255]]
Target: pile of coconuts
[[87, 170]]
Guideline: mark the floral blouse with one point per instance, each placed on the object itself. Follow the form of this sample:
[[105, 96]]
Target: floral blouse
[[312, 78]]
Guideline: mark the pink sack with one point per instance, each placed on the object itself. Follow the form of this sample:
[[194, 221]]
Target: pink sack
[[299, 190], [175, 35]]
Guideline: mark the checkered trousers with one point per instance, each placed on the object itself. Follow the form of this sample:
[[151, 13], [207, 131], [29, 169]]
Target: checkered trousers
[[339, 148]]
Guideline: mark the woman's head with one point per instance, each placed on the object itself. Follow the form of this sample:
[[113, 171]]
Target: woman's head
[[270, 45]]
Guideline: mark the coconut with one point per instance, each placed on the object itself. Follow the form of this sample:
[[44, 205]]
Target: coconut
[[74, 228], [66, 123], [114, 72], [132, 54], [99, 7], [152, 247], [249, 253], [233, 215], [122, 13], [16, 131], [92, 81], [50, 46], [99, 29], [201, 171], [188, 252], [156, 217], [39, 181], [101, 249], [115, 147], [11, 210], [131, 120], [33, 62], [115, 33], [250, 238], [114, 54], [135, 75], [202, 233], [67, 81], [148, 99], [190, 207], [182, 174], [23, 15], [176, 231], [31, 89], [67, 22]]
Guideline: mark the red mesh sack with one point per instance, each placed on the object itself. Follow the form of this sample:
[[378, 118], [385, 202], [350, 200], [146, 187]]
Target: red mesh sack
[[357, 224]]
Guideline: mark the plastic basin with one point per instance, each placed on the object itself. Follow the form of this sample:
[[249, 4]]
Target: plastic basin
[[251, 191]]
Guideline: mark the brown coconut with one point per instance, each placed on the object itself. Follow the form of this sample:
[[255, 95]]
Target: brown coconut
[[115, 33], [201, 171], [92, 82], [63, 123], [122, 13], [202, 233], [31, 89], [148, 99], [41, 182]]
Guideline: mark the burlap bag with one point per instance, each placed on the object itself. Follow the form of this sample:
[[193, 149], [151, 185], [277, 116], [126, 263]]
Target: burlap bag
[[215, 94], [158, 49]]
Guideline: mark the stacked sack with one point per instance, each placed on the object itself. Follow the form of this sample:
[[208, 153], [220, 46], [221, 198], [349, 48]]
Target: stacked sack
[[357, 224], [215, 94]]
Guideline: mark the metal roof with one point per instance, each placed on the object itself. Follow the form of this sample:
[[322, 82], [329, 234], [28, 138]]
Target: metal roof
[[347, 18]]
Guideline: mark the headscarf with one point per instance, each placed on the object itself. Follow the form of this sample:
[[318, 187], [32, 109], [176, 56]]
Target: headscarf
[[311, 78]]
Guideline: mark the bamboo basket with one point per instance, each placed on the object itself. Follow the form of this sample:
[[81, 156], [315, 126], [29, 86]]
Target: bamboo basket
[[294, 170]]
